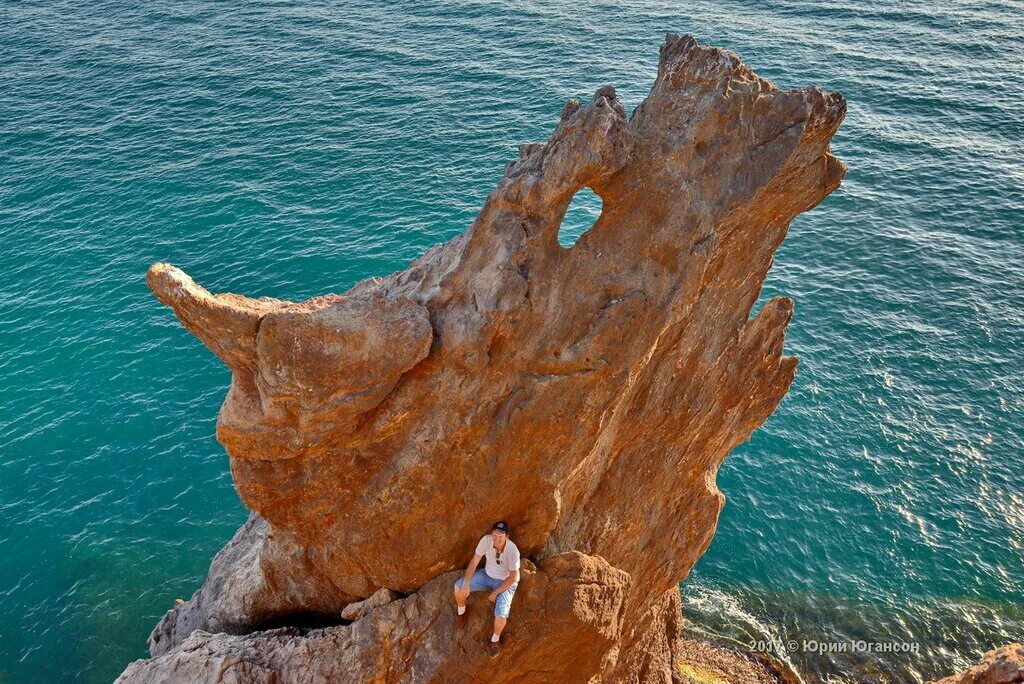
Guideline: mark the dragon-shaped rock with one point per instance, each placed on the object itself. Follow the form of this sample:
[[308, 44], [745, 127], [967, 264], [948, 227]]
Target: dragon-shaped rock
[[587, 395]]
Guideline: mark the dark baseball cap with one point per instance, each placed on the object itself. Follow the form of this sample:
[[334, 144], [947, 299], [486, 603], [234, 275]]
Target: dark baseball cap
[[500, 526]]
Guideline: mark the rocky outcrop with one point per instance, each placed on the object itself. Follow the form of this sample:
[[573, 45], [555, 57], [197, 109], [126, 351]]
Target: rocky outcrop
[[1000, 666], [354, 611], [587, 395], [571, 605], [704, 662]]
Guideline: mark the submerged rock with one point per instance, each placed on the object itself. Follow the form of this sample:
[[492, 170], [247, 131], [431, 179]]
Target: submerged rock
[[587, 394]]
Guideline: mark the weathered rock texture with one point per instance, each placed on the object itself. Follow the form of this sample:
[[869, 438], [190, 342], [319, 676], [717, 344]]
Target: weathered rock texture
[[587, 395], [701, 662], [575, 601], [1000, 666]]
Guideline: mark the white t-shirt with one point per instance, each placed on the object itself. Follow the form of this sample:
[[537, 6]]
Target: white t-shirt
[[498, 567]]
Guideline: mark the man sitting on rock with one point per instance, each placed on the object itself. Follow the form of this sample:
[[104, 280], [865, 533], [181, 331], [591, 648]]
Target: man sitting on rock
[[500, 575]]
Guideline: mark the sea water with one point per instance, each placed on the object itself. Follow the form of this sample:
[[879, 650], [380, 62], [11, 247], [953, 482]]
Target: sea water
[[292, 148]]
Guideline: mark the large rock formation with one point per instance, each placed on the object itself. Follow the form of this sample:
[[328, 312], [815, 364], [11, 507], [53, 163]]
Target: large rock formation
[[587, 395]]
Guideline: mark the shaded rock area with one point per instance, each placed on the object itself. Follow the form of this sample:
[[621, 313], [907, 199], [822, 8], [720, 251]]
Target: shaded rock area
[[1000, 666], [587, 394]]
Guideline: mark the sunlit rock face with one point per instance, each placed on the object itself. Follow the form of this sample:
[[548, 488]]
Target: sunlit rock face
[[588, 395]]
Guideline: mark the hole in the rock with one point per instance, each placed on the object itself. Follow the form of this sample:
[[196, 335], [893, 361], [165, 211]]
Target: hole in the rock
[[302, 620], [579, 217]]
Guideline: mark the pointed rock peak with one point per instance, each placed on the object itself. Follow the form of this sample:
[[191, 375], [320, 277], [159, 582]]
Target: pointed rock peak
[[226, 323]]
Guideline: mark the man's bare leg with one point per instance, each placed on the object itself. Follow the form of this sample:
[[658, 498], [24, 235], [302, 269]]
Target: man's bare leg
[[494, 643], [460, 604], [499, 625], [460, 599]]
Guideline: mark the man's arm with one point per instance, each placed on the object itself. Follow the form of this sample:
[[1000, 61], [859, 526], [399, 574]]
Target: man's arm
[[470, 569], [512, 578]]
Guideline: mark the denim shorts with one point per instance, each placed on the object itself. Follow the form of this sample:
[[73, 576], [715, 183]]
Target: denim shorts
[[481, 580]]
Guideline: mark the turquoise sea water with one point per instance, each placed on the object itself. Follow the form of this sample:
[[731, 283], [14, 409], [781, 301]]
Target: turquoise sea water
[[290, 149]]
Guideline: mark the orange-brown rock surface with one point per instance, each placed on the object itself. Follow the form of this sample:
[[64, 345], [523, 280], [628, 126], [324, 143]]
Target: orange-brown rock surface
[[999, 666], [574, 601], [587, 395]]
